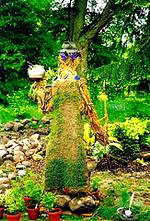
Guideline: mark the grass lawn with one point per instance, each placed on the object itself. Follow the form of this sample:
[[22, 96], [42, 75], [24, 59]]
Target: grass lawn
[[124, 107], [119, 109]]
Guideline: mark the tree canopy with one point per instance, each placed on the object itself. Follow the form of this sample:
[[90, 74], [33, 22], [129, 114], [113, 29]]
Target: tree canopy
[[113, 37]]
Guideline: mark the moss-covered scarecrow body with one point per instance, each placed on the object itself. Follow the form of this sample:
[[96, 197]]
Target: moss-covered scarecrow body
[[66, 100]]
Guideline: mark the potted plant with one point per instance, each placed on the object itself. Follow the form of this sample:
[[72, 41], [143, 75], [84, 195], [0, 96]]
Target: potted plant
[[33, 193], [2, 205], [95, 183], [14, 204], [48, 201]]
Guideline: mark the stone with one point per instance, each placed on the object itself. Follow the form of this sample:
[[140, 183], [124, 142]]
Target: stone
[[10, 150], [4, 180], [82, 204], [35, 119], [25, 142], [18, 147], [1, 160], [29, 153], [63, 200], [46, 120], [17, 126], [37, 157], [11, 176], [25, 121], [21, 172], [9, 164], [8, 157], [25, 148], [4, 175], [19, 156], [26, 163], [3, 153], [4, 186], [11, 143], [4, 139], [20, 166], [8, 126], [35, 137], [2, 147], [34, 144]]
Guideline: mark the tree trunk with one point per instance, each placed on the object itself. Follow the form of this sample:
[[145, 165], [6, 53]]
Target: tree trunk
[[82, 34], [84, 61]]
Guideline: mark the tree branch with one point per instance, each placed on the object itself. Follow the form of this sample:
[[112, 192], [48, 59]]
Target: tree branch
[[101, 21]]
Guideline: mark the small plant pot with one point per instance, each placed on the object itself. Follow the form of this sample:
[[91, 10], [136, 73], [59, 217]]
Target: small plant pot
[[13, 217], [55, 214], [1, 212], [33, 213], [28, 201]]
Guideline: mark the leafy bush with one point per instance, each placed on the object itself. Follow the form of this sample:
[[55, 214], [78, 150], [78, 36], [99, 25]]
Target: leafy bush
[[95, 183], [129, 133], [48, 200], [99, 151], [2, 200], [14, 200], [32, 190]]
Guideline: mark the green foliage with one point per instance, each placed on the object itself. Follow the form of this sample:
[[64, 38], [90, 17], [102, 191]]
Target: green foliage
[[32, 190], [99, 150], [120, 107], [26, 36], [107, 212], [65, 140], [121, 53], [2, 199], [134, 128], [48, 200], [125, 199], [141, 213], [31, 186], [129, 134], [95, 183], [61, 173], [14, 200]]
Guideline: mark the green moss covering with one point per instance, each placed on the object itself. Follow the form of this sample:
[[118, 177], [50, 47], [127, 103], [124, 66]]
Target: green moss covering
[[65, 165]]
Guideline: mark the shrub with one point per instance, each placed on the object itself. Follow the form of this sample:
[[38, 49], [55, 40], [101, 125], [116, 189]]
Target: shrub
[[48, 200], [2, 200], [14, 200], [129, 134]]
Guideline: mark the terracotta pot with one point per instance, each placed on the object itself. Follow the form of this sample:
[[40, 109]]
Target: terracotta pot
[[27, 201], [1, 212], [13, 217], [55, 214], [33, 213]]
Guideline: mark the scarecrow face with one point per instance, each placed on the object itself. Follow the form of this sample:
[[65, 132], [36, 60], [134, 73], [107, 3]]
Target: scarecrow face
[[69, 60]]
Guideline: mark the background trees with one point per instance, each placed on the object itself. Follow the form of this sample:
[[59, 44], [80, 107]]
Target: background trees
[[113, 38]]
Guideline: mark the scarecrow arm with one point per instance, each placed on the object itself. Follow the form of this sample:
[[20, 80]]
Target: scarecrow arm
[[88, 108]]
